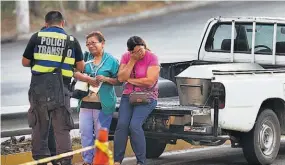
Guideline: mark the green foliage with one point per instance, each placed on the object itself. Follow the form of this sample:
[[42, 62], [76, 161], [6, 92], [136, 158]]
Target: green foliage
[[71, 4], [114, 3], [7, 8], [49, 5]]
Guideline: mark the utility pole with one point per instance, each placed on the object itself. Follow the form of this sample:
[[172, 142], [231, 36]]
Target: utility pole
[[62, 10], [23, 17], [82, 5]]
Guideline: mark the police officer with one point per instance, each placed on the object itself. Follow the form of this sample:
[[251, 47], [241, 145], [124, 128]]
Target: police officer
[[51, 138], [44, 53]]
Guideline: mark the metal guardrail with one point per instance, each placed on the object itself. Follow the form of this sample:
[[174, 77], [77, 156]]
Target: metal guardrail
[[16, 124], [14, 120]]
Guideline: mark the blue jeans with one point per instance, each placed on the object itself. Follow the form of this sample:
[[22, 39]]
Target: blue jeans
[[131, 119], [90, 121]]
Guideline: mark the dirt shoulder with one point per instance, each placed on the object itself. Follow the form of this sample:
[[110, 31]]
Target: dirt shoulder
[[13, 146]]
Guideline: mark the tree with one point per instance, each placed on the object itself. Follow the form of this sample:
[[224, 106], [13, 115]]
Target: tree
[[35, 7], [62, 10], [23, 17], [82, 5], [94, 6]]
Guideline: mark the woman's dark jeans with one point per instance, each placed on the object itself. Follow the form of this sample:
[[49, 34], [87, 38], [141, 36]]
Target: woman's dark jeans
[[131, 119]]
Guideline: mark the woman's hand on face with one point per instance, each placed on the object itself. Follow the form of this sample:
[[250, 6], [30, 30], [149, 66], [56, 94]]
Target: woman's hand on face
[[137, 53], [135, 56]]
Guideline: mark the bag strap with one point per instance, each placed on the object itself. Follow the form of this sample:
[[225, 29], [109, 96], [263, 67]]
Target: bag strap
[[134, 73], [64, 52]]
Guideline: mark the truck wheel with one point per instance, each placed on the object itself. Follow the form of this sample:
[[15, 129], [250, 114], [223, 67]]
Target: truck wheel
[[154, 148], [261, 144]]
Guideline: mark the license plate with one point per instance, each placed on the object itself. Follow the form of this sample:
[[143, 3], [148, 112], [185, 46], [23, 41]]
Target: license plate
[[194, 129]]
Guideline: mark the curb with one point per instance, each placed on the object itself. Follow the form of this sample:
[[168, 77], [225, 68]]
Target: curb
[[121, 19], [23, 157], [139, 16]]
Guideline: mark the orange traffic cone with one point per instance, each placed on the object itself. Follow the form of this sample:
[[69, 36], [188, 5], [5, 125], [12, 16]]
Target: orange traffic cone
[[103, 156]]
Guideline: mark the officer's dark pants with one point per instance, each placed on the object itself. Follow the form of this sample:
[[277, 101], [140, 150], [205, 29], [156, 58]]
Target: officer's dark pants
[[52, 144], [61, 123]]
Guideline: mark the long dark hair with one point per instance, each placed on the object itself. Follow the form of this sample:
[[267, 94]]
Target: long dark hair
[[134, 41]]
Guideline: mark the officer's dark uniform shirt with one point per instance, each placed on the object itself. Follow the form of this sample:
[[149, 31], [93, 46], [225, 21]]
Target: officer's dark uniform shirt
[[45, 50]]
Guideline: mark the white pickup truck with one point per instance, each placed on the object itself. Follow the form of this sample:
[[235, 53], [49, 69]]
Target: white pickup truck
[[235, 91]]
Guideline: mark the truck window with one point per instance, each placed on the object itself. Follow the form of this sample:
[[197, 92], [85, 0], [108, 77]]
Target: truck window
[[280, 40], [216, 41], [219, 39], [242, 42], [264, 38]]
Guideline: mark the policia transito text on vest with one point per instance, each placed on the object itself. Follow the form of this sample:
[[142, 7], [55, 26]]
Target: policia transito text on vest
[[45, 50]]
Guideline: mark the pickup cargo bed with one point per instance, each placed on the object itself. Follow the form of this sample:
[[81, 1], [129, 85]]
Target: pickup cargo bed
[[170, 105]]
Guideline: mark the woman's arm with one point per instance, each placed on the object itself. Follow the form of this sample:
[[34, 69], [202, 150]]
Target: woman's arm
[[125, 70], [81, 76], [112, 81], [149, 80], [85, 78]]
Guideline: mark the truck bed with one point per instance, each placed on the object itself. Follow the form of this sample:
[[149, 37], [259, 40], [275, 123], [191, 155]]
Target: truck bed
[[170, 105]]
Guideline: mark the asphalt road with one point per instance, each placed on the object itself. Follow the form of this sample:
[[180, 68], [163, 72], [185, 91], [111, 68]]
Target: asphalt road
[[172, 37], [221, 155]]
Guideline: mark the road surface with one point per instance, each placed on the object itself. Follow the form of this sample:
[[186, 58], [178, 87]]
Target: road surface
[[221, 155]]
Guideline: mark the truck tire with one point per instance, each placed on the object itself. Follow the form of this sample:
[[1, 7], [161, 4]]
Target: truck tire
[[154, 148], [261, 144]]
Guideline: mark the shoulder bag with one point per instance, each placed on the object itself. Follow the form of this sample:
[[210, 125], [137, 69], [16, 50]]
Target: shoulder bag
[[142, 97]]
